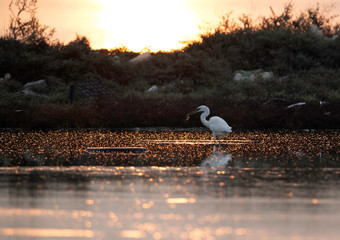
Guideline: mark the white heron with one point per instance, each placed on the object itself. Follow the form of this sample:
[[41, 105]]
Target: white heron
[[217, 125]]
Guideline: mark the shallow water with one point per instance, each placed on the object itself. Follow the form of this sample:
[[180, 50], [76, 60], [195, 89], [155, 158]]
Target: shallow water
[[243, 149], [282, 185]]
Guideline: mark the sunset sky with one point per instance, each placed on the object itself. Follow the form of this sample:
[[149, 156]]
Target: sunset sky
[[141, 24]]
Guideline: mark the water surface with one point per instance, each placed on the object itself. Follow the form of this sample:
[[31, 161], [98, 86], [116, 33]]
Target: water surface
[[175, 148], [276, 185]]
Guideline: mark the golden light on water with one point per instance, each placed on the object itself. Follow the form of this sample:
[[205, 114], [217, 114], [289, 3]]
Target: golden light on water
[[46, 232], [65, 148], [180, 200], [75, 214], [169, 201], [132, 234], [199, 141]]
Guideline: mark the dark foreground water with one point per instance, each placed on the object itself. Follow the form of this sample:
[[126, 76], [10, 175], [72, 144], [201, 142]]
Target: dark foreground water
[[275, 185]]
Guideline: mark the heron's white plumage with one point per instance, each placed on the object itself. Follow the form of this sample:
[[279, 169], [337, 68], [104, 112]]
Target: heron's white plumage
[[217, 125]]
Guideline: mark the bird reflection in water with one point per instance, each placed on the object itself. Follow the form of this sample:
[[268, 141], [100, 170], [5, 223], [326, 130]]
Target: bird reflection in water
[[218, 158]]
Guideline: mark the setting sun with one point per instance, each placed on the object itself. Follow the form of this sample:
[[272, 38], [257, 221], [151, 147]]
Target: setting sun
[[151, 24], [146, 25]]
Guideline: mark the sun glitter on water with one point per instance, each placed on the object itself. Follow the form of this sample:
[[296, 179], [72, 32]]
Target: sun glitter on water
[[151, 24]]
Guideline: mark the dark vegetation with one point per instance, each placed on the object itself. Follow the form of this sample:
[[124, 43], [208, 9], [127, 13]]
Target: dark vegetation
[[305, 68]]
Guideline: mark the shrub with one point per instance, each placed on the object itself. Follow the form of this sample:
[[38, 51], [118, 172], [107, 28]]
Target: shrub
[[305, 69]]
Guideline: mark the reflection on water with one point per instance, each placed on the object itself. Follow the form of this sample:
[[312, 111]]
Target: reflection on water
[[46, 232], [248, 149], [218, 158], [169, 203], [255, 186]]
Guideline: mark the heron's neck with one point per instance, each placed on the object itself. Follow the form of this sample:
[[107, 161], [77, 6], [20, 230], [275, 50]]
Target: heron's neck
[[204, 119]]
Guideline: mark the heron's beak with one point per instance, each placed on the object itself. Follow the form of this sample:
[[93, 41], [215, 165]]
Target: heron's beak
[[189, 114]]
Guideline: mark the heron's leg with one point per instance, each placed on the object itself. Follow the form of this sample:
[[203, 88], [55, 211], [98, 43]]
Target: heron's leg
[[214, 135], [219, 142]]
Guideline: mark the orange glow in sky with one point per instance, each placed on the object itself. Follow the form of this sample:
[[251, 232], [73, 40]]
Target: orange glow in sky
[[146, 24], [154, 24]]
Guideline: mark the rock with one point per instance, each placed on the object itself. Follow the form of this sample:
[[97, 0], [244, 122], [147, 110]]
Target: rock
[[319, 33], [40, 83], [316, 31], [116, 60], [31, 93], [246, 75], [332, 38], [154, 88], [322, 103], [252, 75], [7, 76], [31, 88], [2, 79], [267, 75], [238, 77], [141, 58]]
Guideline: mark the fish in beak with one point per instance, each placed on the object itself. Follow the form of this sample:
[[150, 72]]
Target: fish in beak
[[190, 113]]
